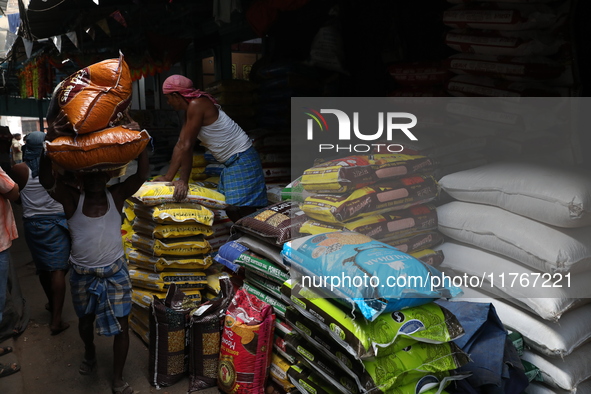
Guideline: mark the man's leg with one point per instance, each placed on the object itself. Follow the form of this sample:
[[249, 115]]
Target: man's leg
[[120, 349], [45, 280], [86, 331], [58, 294]]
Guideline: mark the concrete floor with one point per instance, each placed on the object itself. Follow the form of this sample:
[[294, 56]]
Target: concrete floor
[[49, 364]]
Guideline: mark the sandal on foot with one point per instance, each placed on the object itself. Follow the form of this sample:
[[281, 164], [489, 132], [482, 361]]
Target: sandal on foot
[[6, 369], [5, 350], [87, 366], [125, 389]]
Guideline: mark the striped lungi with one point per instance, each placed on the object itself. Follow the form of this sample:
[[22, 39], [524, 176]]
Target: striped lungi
[[242, 181], [48, 240], [104, 292]]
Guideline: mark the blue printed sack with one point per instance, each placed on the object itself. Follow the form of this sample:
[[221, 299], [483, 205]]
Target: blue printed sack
[[372, 276]]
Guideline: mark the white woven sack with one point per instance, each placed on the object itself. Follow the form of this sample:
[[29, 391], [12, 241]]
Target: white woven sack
[[535, 244], [563, 373], [549, 303], [554, 339], [540, 388], [556, 195]]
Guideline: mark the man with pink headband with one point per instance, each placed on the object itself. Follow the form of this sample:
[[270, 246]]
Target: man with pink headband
[[242, 181]]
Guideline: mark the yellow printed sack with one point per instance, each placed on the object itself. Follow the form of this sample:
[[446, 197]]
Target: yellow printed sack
[[429, 256], [126, 234], [172, 230], [315, 227], [173, 212], [143, 298], [372, 200], [146, 261], [138, 325], [153, 193], [128, 210], [353, 172], [189, 246], [162, 281], [199, 160]]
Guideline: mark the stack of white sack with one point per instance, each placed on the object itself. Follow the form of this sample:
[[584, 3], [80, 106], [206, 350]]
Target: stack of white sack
[[520, 237]]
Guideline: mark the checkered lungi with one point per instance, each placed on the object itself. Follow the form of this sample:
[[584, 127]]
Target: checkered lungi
[[242, 181], [104, 292]]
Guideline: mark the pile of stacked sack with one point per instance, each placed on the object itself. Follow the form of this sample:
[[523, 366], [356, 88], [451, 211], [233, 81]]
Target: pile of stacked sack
[[166, 243], [352, 334], [320, 344], [87, 113], [205, 172], [384, 196], [524, 227], [517, 48], [254, 257]]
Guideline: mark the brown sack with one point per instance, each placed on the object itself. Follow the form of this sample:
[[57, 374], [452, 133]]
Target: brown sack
[[101, 150], [91, 99]]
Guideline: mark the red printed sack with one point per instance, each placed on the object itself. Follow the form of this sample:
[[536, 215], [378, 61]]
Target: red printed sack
[[245, 353]]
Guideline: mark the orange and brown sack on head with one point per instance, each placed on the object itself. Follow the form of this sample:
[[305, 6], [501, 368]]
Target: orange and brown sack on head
[[91, 99]]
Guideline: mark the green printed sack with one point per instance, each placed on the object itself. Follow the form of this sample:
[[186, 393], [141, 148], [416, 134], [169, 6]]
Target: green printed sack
[[262, 266], [328, 370], [389, 333], [278, 307], [414, 362], [270, 287], [325, 350], [308, 381]]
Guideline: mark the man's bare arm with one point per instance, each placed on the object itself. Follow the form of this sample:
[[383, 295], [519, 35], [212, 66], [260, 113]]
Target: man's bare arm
[[13, 194]]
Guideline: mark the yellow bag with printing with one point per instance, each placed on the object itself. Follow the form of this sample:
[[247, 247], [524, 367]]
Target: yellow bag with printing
[[188, 246], [161, 281], [153, 263], [154, 193], [353, 172], [173, 212], [172, 230]]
